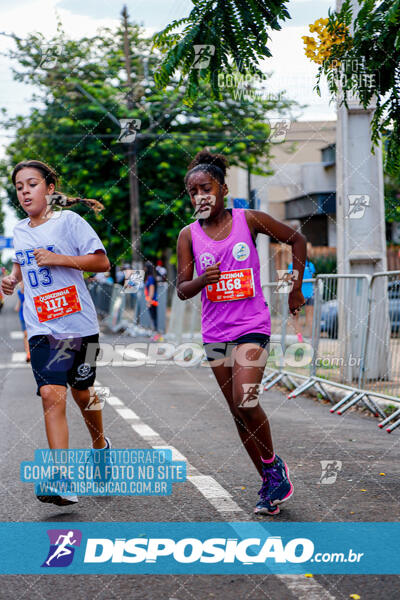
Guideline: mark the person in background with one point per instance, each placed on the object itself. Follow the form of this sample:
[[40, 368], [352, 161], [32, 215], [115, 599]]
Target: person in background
[[19, 308], [150, 293], [161, 272], [119, 275], [307, 289], [104, 277]]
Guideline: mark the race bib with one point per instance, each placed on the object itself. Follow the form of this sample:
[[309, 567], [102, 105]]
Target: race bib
[[233, 285], [57, 304]]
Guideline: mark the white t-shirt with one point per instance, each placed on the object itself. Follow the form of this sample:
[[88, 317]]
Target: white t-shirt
[[64, 233]]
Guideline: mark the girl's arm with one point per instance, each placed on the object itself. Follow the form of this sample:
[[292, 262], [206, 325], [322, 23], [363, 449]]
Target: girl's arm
[[9, 282], [186, 286], [95, 263], [16, 272], [261, 222]]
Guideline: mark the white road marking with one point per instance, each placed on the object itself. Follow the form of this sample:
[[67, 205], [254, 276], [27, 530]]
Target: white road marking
[[305, 588], [127, 413], [209, 487], [144, 430], [18, 357], [114, 401], [176, 455], [16, 335]]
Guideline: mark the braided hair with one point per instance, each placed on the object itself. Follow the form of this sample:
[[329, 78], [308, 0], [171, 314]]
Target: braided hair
[[50, 176]]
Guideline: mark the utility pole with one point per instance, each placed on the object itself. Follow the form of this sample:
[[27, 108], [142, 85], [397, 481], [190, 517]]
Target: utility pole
[[133, 180], [361, 241]]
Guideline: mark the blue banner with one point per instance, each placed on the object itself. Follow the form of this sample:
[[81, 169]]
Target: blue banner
[[200, 548]]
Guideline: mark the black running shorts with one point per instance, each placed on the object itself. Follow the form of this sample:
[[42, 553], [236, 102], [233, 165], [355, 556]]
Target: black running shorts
[[61, 362], [218, 350]]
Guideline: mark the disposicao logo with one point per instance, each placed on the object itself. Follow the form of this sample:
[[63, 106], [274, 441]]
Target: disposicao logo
[[62, 547], [190, 550]]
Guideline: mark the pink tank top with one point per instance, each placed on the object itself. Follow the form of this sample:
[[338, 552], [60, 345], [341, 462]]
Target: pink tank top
[[227, 320]]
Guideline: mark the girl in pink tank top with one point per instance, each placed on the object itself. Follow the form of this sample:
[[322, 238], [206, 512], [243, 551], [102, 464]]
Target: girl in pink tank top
[[236, 323]]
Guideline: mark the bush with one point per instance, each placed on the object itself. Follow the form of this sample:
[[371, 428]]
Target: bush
[[324, 264]]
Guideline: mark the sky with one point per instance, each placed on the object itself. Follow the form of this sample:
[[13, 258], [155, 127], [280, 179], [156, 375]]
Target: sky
[[291, 70]]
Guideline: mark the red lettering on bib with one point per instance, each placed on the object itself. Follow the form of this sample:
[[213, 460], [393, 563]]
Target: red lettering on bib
[[233, 285], [57, 304]]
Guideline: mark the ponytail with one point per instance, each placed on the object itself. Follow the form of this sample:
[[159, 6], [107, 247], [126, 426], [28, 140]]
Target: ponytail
[[50, 176], [59, 199]]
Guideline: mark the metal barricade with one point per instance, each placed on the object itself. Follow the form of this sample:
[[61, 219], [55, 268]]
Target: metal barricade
[[354, 345], [121, 310], [380, 372], [339, 330], [348, 309], [185, 320], [114, 320], [101, 294], [341, 314], [289, 355]]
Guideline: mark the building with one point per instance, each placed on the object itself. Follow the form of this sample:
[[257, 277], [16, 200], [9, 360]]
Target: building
[[301, 190]]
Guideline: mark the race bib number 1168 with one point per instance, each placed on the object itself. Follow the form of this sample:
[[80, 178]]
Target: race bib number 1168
[[233, 285]]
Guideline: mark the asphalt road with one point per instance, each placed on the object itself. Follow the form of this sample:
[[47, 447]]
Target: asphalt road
[[184, 409]]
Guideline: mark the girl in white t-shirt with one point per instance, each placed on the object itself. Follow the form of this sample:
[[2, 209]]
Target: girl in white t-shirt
[[52, 250]]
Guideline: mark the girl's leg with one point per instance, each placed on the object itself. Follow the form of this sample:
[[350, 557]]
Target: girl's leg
[[92, 415], [26, 345], [153, 315], [54, 400], [224, 377], [248, 368]]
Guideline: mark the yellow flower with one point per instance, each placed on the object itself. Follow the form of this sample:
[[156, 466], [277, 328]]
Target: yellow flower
[[319, 50]]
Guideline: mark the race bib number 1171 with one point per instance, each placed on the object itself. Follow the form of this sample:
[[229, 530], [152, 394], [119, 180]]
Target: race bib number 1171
[[57, 304]]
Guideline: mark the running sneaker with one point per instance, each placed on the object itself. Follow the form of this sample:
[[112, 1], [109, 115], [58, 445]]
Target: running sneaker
[[58, 498], [264, 507], [277, 487], [157, 338]]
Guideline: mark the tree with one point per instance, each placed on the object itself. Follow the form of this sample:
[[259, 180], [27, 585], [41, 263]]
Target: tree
[[222, 30], [392, 199], [74, 134], [237, 33], [362, 59]]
